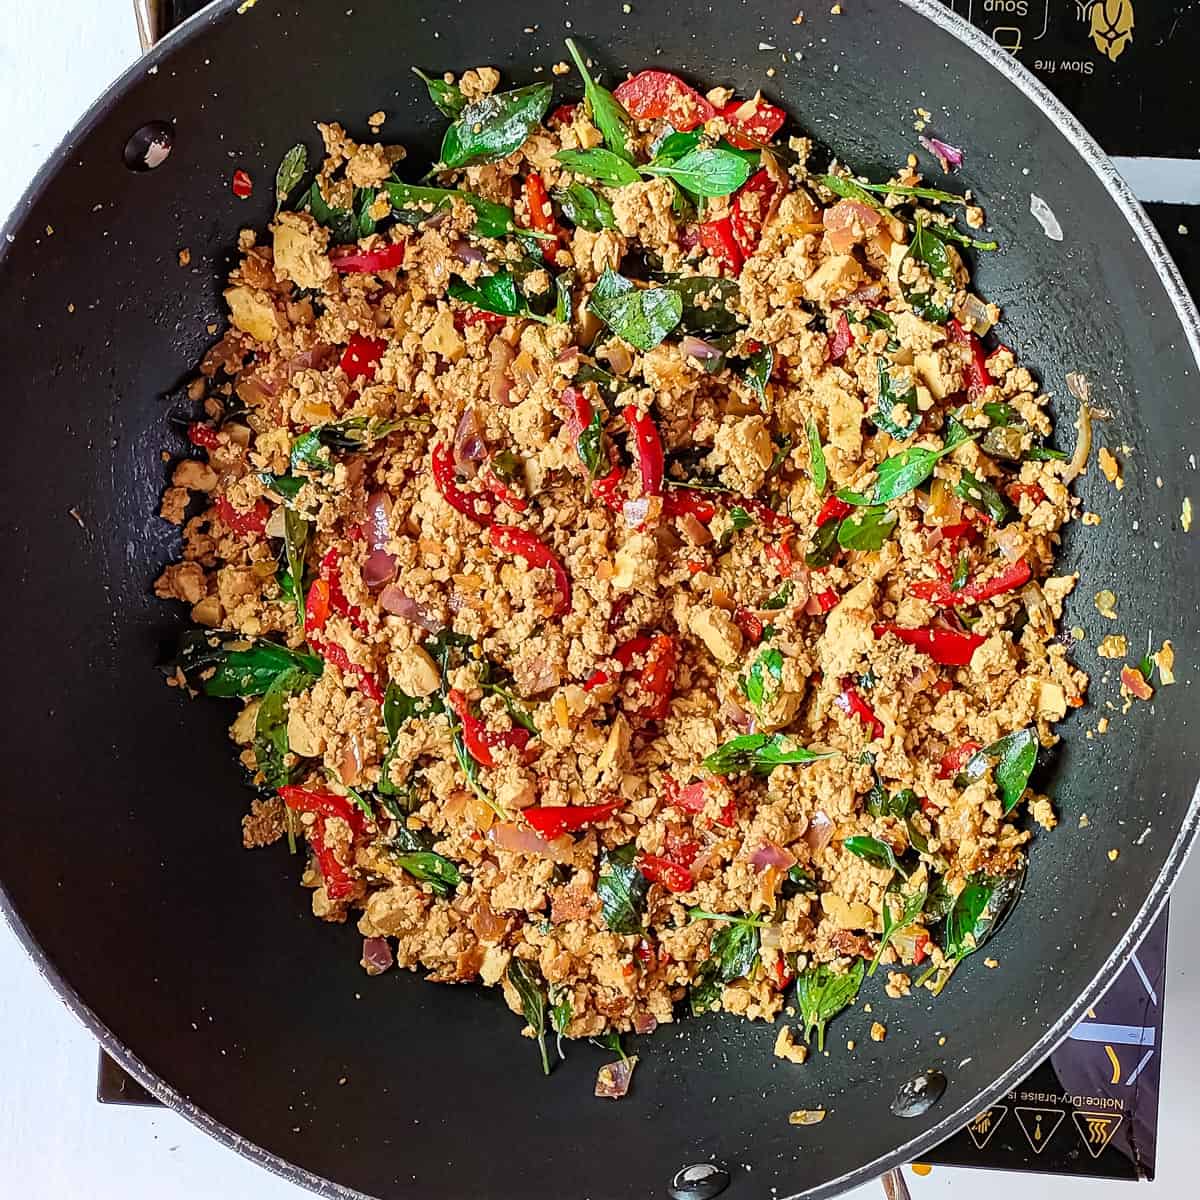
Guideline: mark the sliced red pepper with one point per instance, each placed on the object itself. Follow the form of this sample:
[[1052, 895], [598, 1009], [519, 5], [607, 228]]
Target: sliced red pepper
[[254, 521], [920, 949], [200, 434], [680, 849], [317, 607], [325, 804], [476, 506], [840, 340], [750, 625], [716, 238], [478, 739], [361, 356], [946, 646], [761, 121], [476, 316], [564, 114], [694, 798], [644, 953], [1136, 683], [337, 880], [965, 530], [650, 95], [503, 492], [827, 600], [330, 572], [335, 653], [648, 449], [980, 377], [657, 676], [1016, 491], [939, 592], [368, 262], [672, 876], [748, 212], [954, 760], [833, 510], [541, 216], [765, 515], [779, 555], [523, 544], [242, 185], [553, 821], [680, 502], [783, 977], [853, 705]]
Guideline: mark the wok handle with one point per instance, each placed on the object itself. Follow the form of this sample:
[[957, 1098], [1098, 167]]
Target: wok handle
[[894, 1187]]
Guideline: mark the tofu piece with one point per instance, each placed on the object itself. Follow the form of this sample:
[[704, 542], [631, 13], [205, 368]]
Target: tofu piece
[[300, 245], [253, 313], [837, 276], [714, 627]]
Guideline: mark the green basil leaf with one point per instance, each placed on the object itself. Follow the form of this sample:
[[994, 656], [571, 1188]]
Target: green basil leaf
[[920, 193], [799, 880], [530, 987], [981, 495], [350, 435], [447, 97], [735, 947], [270, 728], [564, 282], [948, 233], [1001, 414], [867, 529], [760, 753], [415, 204], [758, 370], [886, 402], [640, 316], [707, 303], [622, 889], [930, 251], [287, 487], [561, 1011], [762, 682], [1045, 454], [607, 114], [1014, 756], [426, 866], [599, 164], [816, 457], [781, 597], [899, 475], [295, 543], [224, 664], [704, 172], [706, 988], [585, 208], [965, 923], [365, 222], [495, 126], [492, 293], [290, 171], [341, 222], [874, 851], [821, 995], [824, 543]]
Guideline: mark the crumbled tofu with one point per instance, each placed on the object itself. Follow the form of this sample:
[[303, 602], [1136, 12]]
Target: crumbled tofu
[[878, 1031], [1110, 467], [1113, 645], [1113, 855], [787, 1048], [716, 629]]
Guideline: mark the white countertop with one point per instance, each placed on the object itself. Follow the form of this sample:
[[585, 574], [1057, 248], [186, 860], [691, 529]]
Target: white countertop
[[56, 56]]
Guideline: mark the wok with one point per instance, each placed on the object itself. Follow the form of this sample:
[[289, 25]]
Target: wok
[[196, 964]]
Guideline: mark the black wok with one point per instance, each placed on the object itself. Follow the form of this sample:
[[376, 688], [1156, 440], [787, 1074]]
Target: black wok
[[196, 964]]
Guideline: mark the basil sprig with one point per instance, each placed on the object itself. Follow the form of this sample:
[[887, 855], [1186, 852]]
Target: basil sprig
[[622, 890], [290, 171], [821, 995], [495, 126], [585, 208], [530, 987], [910, 908], [270, 727], [930, 251], [732, 954], [980, 494], [296, 531], [816, 457], [900, 474], [222, 663], [760, 753], [641, 316], [888, 399], [495, 294], [600, 164], [867, 529], [447, 98], [413, 853], [606, 112], [874, 851]]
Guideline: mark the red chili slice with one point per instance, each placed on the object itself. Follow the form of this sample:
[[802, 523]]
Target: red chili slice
[[242, 185], [755, 119], [368, 262], [552, 821], [949, 647], [716, 237], [749, 209], [361, 356], [650, 95], [672, 876]]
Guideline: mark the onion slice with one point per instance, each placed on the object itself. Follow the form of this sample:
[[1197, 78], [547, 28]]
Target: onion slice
[[612, 1080], [380, 567], [1078, 386], [400, 604], [820, 831]]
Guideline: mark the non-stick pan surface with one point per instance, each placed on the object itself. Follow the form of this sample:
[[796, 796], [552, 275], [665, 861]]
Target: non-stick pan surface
[[196, 963]]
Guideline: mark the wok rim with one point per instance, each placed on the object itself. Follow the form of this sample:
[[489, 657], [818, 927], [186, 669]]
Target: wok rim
[[1185, 309]]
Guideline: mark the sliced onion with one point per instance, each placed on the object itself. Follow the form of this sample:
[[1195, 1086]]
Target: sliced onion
[[524, 371], [376, 955], [636, 511], [699, 349], [380, 567], [644, 1022], [1010, 542], [400, 604], [847, 222], [620, 359], [771, 936], [735, 715], [350, 764], [315, 359], [770, 855], [976, 312], [820, 831], [469, 447], [466, 253], [520, 840], [500, 356], [612, 1080], [1083, 426], [1038, 608], [948, 156]]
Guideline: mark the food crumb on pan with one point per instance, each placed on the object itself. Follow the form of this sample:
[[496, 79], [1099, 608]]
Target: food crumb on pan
[[1102, 725], [898, 984], [1084, 820], [1090, 518], [798, 19], [851, 1044], [1185, 514], [376, 119], [806, 1116], [1164, 659], [185, 257], [1106, 604], [878, 1031], [787, 1048], [1134, 683], [1044, 215], [1113, 855], [560, 68], [1113, 645], [1110, 468]]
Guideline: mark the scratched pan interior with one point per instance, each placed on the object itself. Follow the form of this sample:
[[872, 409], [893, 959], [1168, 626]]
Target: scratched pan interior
[[197, 963]]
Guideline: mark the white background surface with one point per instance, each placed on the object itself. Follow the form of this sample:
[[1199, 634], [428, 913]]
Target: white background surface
[[56, 1142]]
